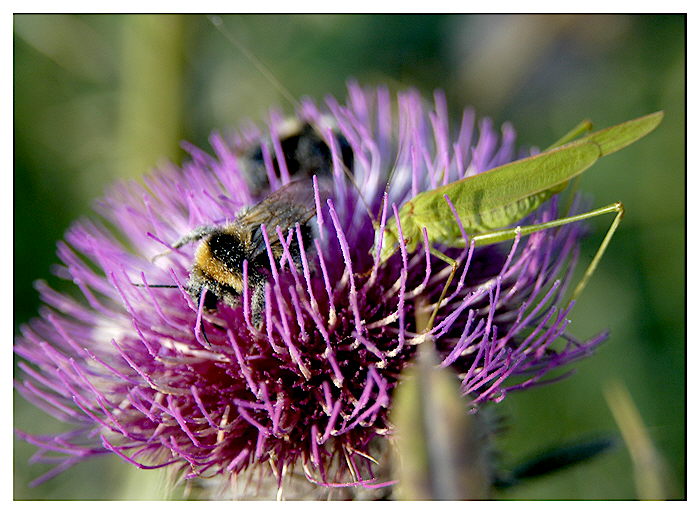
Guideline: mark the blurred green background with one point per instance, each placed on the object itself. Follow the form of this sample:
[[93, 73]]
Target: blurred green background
[[103, 97]]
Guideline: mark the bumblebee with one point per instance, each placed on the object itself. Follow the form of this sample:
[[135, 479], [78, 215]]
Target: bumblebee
[[305, 152], [217, 270]]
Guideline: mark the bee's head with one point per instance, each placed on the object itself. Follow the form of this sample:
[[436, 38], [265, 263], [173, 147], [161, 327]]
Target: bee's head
[[210, 300]]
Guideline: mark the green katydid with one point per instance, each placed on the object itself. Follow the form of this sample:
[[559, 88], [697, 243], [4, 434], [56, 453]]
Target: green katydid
[[489, 202]]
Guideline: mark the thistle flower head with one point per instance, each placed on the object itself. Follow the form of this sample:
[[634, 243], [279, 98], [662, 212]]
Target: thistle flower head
[[149, 374]]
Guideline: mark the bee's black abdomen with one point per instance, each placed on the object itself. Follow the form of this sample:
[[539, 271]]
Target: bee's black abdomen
[[311, 155], [305, 154], [346, 152]]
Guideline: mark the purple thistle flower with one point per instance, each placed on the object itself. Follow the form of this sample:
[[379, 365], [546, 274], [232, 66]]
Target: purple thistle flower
[[150, 375]]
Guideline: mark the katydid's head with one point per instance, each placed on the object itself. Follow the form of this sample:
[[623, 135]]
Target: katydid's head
[[303, 394], [389, 243], [394, 238]]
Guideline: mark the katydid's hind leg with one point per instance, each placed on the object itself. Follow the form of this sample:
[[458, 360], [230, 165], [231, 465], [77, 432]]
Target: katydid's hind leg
[[455, 265], [573, 187], [617, 208], [576, 132], [620, 210]]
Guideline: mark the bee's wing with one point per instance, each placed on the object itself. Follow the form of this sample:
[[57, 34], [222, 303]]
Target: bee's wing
[[291, 204], [300, 192]]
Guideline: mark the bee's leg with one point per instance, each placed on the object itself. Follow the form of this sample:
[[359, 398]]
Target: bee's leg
[[202, 295], [258, 302], [204, 334], [197, 234], [215, 293], [205, 294], [295, 250], [198, 283]]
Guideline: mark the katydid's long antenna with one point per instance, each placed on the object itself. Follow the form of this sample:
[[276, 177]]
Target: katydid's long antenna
[[351, 178], [218, 22]]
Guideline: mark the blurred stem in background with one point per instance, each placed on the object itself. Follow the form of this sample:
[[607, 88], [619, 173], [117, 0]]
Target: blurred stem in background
[[151, 94], [651, 474], [150, 126], [96, 98]]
